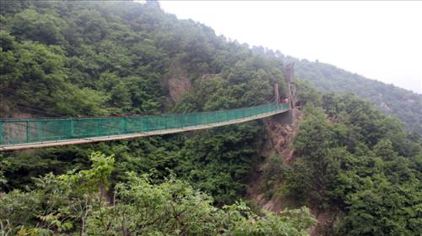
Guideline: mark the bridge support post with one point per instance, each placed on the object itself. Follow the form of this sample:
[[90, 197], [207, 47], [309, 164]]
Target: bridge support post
[[276, 94], [289, 75], [288, 117]]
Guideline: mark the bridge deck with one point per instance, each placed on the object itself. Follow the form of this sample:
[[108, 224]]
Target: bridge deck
[[42, 144]]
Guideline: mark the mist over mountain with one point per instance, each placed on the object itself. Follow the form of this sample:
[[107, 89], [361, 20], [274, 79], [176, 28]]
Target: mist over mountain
[[403, 104]]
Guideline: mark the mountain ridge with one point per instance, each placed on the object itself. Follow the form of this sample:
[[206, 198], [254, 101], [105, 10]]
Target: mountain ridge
[[392, 100], [115, 58]]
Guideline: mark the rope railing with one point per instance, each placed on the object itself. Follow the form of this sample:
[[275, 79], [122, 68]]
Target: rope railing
[[22, 131]]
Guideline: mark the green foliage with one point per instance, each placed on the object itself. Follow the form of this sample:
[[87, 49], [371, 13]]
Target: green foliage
[[103, 58], [216, 162], [307, 94], [70, 203], [113, 58], [354, 160], [19, 169], [272, 224], [380, 207], [58, 203], [46, 28], [391, 100], [36, 74], [211, 163], [273, 171], [106, 58], [3, 166]]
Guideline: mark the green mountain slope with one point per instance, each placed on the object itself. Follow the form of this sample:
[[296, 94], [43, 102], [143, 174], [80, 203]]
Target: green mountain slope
[[116, 58], [404, 104], [112, 58], [101, 59]]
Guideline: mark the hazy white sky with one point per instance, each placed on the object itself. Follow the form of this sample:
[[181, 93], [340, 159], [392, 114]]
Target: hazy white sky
[[380, 40]]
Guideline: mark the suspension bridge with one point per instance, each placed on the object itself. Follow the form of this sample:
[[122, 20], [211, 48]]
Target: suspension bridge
[[17, 134]]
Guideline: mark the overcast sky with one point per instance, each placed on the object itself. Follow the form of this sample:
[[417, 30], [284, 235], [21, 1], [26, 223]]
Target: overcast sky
[[379, 40]]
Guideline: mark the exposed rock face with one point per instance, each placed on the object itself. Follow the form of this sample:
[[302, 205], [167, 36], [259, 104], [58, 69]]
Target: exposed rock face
[[282, 135], [279, 143], [178, 82]]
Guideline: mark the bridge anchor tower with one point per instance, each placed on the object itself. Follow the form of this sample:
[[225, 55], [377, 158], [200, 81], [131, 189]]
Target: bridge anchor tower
[[288, 117]]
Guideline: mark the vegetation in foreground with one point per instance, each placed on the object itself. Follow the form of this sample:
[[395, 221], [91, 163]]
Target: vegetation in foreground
[[358, 165], [96, 58], [82, 202]]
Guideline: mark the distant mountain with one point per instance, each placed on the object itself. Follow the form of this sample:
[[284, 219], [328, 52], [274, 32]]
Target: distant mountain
[[404, 104]]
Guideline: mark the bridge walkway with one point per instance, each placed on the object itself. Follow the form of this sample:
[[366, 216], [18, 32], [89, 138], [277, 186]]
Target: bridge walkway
[[17, 134]]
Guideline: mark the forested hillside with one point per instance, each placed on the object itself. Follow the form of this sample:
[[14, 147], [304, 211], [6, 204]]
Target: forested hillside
[[357, 166], [404, 104], [100, 59], [87, 59], [118, 58]]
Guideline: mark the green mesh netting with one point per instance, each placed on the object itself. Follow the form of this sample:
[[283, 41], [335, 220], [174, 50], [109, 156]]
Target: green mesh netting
[[19, 131]]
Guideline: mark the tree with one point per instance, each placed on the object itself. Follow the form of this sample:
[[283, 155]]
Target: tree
[[71, 203]]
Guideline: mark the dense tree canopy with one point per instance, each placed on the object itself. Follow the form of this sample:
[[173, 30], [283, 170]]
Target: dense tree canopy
[[122, 58], [103, 58], [118, 58], [401, 103], [71, 203], [356, 161]]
